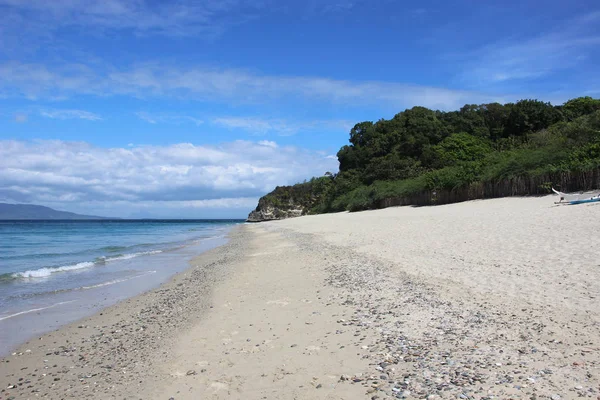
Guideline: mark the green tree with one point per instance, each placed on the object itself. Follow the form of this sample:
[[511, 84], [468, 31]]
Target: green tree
[[350, 157], [460, 147], [416, 128], [361, 134], [496, 116], [528, 116], [391, 167], [580, 106], [470, 119]]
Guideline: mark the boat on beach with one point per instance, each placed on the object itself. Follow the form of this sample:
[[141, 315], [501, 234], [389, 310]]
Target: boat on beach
[[577, 198]]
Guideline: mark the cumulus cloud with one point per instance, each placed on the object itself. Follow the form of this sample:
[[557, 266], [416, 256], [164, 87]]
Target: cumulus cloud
[[70, 114], [72, 173], [268, 143]]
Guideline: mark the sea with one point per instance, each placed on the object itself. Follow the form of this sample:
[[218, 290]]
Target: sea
[[56, 272]]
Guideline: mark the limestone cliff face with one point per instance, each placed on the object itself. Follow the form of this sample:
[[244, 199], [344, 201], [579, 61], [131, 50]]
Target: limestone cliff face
[[270, 213], [284, 202]]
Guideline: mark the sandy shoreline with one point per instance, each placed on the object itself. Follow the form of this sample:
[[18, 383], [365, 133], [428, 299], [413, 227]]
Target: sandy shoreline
[[485, 299], [58, 306], [110, 353]]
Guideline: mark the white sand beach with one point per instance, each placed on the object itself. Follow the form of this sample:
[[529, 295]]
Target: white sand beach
[[478, 300]]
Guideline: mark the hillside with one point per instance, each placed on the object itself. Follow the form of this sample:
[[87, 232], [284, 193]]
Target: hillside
[[30, 211], [427, 157]]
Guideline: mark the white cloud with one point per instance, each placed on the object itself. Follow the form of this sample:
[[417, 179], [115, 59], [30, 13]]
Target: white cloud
[[337, 7], [73, 173], [144, 17], [70, 114], [224, 85], [268, 143], [260, 126], [561, 48], [21, 117], [250, 124], [146, 117], [169, 119]]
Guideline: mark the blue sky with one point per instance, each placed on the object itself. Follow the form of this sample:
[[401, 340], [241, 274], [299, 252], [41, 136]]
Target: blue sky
[[196, 108]]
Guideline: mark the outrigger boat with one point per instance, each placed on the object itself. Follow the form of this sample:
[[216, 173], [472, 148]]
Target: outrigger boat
[[577, 198]]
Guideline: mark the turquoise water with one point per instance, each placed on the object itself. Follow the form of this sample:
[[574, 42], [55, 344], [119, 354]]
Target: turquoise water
[[54, 272]]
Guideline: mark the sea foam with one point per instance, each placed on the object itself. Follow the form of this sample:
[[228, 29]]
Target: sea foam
[[3, 317], [47, 271], [129, 256], [115, 281], [44, 272]]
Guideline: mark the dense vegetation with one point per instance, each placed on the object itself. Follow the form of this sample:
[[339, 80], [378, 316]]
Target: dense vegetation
[[422, 156]]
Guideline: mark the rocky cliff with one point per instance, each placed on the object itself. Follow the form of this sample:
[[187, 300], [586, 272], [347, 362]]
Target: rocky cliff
[[283, 202], [270, 213]]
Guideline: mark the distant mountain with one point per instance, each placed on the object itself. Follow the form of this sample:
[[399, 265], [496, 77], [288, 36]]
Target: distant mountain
[[30, 211]]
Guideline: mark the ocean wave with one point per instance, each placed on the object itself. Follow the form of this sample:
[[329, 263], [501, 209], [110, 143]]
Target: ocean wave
[[113, 249], [105, 249], [118, 257], [203, 239], [3, 317], [115, 281], [212, 238], [48, 271], [80, 288]]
